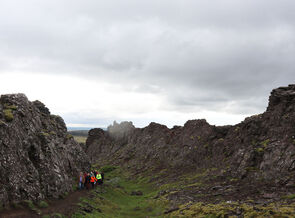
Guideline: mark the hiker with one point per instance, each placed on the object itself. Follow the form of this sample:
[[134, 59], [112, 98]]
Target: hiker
[[92, 179], [81, 182], [87, 181], [99, 178], [85, 175]]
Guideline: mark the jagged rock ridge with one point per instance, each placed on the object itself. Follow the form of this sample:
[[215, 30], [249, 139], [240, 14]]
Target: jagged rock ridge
[[38, 159], [261, 148]]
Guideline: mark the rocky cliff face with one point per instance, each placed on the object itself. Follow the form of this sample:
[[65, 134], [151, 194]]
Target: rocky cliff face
[[38, 159], [261, 148]]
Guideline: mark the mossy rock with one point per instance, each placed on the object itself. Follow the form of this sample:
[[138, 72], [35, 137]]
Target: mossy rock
[[259, 150], [9, 106], [69, 136], [8, 115]]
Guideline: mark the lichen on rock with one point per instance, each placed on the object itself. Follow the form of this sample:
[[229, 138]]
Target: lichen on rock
[[35, 164]]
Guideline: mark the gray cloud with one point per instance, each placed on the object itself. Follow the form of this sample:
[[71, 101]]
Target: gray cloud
[[199, 54]]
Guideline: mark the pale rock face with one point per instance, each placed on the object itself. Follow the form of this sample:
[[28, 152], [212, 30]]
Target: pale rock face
[[38, 159]]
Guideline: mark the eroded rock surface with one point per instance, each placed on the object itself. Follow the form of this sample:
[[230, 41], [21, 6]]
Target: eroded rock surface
[[38, 159], [258, 154]]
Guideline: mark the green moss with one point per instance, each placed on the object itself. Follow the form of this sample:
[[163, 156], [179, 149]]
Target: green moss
[[259, 150], [251, 169], [192, 137], [225, 209], [9, 106], [237, 129], [265, 143], [8, 115], [44, 133], [43, 204], [292, 196], [69, 136], [199, 137]]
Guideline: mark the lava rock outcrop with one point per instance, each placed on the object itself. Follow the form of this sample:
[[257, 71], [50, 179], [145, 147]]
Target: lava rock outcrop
[[38, 159], [262, 147]]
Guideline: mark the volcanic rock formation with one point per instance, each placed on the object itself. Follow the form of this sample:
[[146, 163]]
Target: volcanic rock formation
[[38, 159], [259, 149]]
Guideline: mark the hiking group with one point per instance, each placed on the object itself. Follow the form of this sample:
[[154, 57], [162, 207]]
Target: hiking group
[[90, 180]]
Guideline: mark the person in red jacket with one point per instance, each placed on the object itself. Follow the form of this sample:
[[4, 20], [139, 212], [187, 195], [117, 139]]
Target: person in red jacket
[[92, 179]]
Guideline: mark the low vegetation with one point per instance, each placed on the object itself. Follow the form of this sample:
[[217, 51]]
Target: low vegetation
[[232, 209], [43, 204], [121, 196], [80, 139]]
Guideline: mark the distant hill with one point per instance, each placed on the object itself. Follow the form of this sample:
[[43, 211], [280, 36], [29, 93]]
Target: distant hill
[[79, 132], [82, 128]]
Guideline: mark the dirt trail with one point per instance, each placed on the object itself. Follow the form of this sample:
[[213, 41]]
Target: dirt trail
[[64, 206]]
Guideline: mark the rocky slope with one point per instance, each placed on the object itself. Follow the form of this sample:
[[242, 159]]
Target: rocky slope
[[253, 158], [38, 159]]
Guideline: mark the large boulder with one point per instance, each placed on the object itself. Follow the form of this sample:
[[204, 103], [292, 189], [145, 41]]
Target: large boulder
[[38, 159]]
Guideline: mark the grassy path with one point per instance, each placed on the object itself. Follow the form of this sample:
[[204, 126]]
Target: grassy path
[[121, 197]]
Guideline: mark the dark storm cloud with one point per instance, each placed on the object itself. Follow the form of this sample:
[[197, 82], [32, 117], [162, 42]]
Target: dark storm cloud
[[213, 55]]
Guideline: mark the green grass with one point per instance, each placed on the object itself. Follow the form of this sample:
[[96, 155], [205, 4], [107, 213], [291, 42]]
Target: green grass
[[116, 200], [107, 169], [80, 139]]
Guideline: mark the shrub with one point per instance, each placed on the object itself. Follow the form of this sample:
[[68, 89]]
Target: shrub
[[29, 204], [43, 204]]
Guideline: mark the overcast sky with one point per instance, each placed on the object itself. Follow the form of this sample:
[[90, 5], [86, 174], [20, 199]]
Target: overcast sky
[[95, 61]]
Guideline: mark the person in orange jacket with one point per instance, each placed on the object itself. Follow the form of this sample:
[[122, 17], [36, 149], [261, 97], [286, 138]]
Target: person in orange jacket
[[92, 179]]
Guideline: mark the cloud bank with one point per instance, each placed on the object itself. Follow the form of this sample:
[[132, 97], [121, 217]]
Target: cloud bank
[[190, 58]]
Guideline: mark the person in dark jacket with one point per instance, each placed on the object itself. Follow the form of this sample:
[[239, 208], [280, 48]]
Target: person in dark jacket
[[87, 181], [81, 182]]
